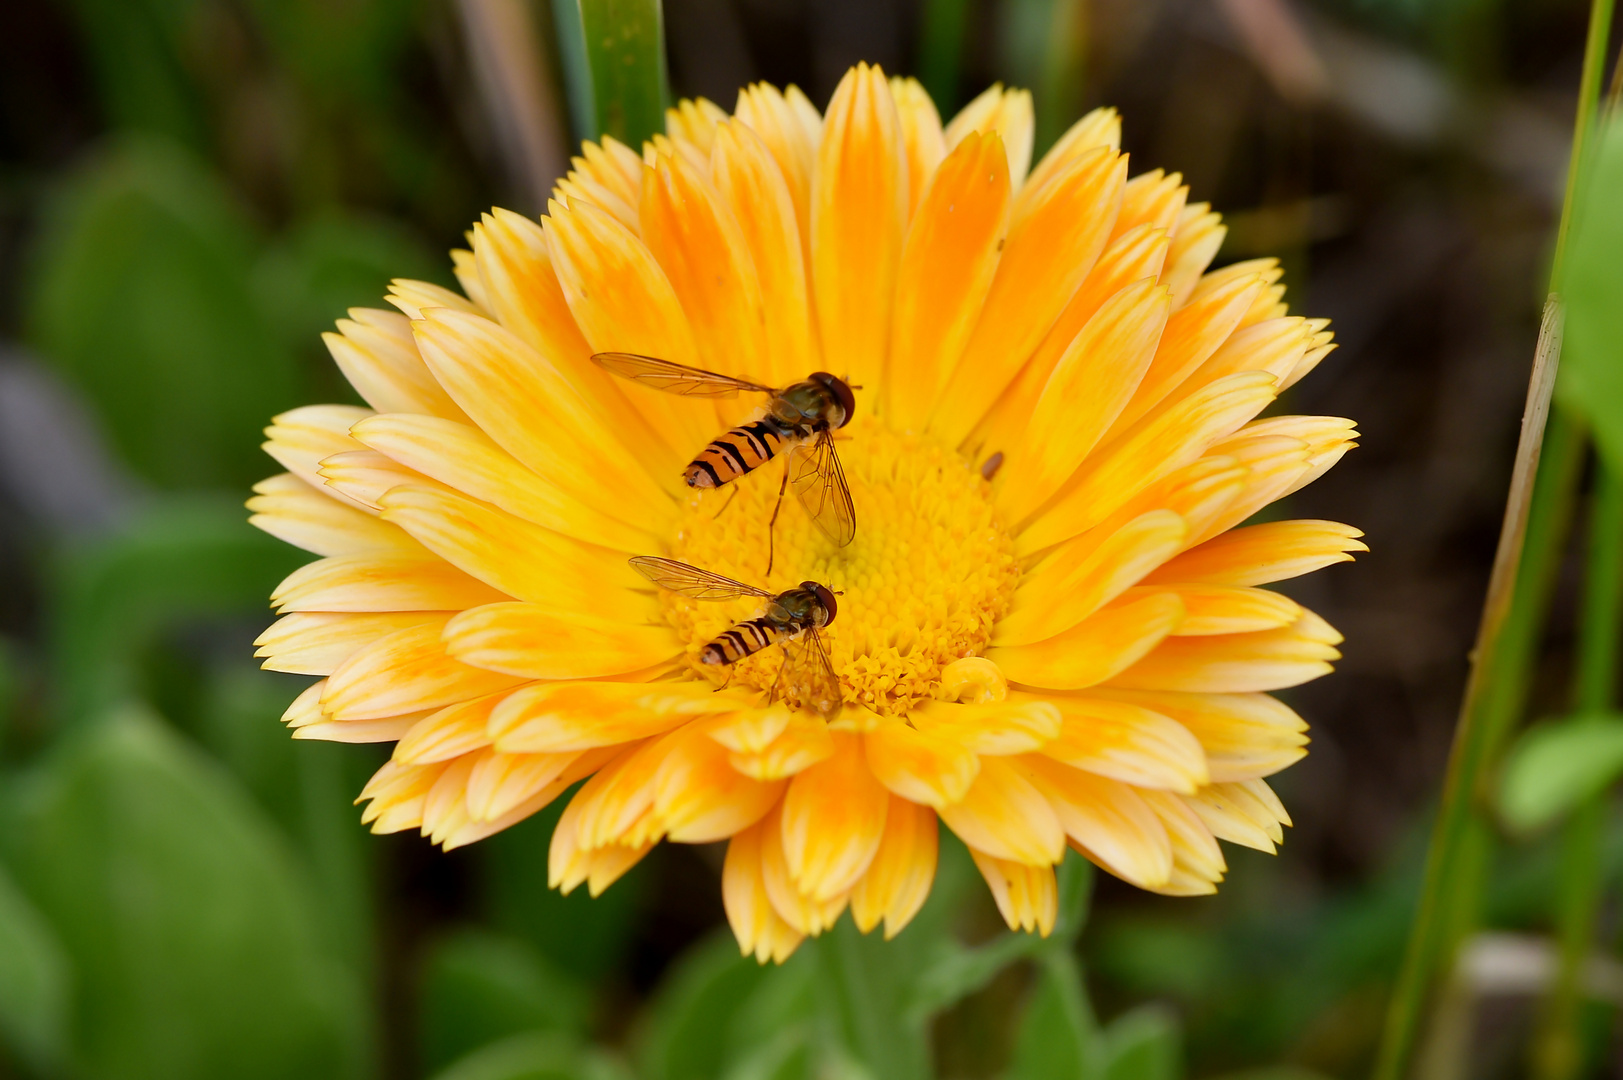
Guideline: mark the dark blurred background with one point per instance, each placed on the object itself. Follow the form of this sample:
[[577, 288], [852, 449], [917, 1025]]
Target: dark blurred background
[[191, 190]]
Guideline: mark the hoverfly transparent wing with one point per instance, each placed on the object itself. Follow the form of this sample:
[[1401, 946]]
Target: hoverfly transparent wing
[[819, 484], [690, 581], [808, 668], [673, 378]]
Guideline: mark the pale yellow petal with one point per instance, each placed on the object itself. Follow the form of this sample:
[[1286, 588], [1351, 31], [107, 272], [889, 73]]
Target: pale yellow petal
[[1007, 112], [381, 583], [947, 265], [919, 767], [803, 742], [1106, 820], [1200, 234], [532, 409], [1127, 742], [754, 190], [1099, 647], [448, 733], [899, 878], [800, 911], [561, 716], [858, 216], [1101, 127], [790, 141], [759, 929], [1245, 736], [538, 643], [300, 438], [1027, 896], [1260, 554], [465, 458], [293, 511], [405, 671], [414, 297], [1234, 663], [1053, 242], [1014, 726], [522, 560], [314, 643], [922, 138], [377, 354], [832, 820], [1084, 395], [1154, 199], [699, 798], [1005, 815]]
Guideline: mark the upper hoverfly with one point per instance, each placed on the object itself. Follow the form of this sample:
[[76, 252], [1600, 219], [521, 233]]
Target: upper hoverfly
[[803, 413], [791, 618]]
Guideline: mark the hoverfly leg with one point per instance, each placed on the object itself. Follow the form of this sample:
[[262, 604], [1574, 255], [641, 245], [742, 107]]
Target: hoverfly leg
[[771, 553], [778, 682], [731, 494], [728, 681]]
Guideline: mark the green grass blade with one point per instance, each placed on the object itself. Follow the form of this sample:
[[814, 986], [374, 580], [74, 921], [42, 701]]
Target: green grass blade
[[622, 51]]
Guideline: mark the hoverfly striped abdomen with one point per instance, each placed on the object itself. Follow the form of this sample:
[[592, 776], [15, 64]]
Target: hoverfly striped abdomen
[[743, 449], [742, 640]]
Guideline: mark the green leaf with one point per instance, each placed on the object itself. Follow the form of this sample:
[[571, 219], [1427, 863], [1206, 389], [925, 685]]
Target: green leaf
[[138, 53], [35, 982], [143, 301], [330, 263], [1591, 381], [181, 559], [479, 987], [191, 931], [535, 1056], [617, 56], [697, 999], [787, 1055], [1144, 1044], [1554, 767], [863, 996], [1058, 1038]]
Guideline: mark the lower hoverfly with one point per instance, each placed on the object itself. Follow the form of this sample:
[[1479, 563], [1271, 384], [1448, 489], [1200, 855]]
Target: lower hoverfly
[[802, 414], [791, 619]]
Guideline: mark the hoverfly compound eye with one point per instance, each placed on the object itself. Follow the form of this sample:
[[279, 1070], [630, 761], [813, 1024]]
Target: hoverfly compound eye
[[826, 598], [842, 392]]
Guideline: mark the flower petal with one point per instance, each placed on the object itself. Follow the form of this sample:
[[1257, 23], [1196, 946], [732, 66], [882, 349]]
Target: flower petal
[[858, 213], [1053, 242], [753, 188], [833, 819], [1008, 114], [802, 743], [1095, 649], [920, 767], [538, 643], [449, 732], [405, 671], [1014, 726], [1126, 742], [899, 878], [380, 583], [314, 643], [1198, 236], [299, 438], [1260, 554], [1084, 395], [922, 138], [946, 269], [1101, 127], [465, 458], [531, 409], [1087, 572], [1234, 663], [758, 928], [1004, 815], [1106, 820], [1027, 896], [1245, 736], [799, 910], [293, 511], [377, 354], [523, 560], [791, 141], [554, 717], [1228, 609], [699, 798]]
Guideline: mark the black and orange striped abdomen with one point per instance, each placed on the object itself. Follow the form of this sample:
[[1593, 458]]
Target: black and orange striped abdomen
[[744, 639], [743, 449]]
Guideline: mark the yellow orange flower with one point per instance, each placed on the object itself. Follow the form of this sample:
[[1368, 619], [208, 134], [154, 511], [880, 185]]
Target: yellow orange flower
[[1052, 630]]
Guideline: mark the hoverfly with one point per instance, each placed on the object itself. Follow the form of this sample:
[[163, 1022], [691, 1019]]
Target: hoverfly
[[791, 618], [804, 414]]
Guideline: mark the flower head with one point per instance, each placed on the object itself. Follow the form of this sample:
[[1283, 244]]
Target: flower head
[[1051, 628]]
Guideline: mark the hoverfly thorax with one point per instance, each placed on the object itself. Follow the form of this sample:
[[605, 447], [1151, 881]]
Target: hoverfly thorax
[[820, 403]]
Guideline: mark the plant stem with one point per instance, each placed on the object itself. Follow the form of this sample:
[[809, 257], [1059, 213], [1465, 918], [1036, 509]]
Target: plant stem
[[1559, 1051], [624, 51], [1530, 545]]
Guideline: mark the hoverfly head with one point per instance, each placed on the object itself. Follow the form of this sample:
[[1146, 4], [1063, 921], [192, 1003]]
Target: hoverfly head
[[842, 392], [825, 596]]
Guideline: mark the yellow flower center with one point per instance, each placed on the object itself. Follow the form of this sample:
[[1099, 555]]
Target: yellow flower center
[[930, 572]]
